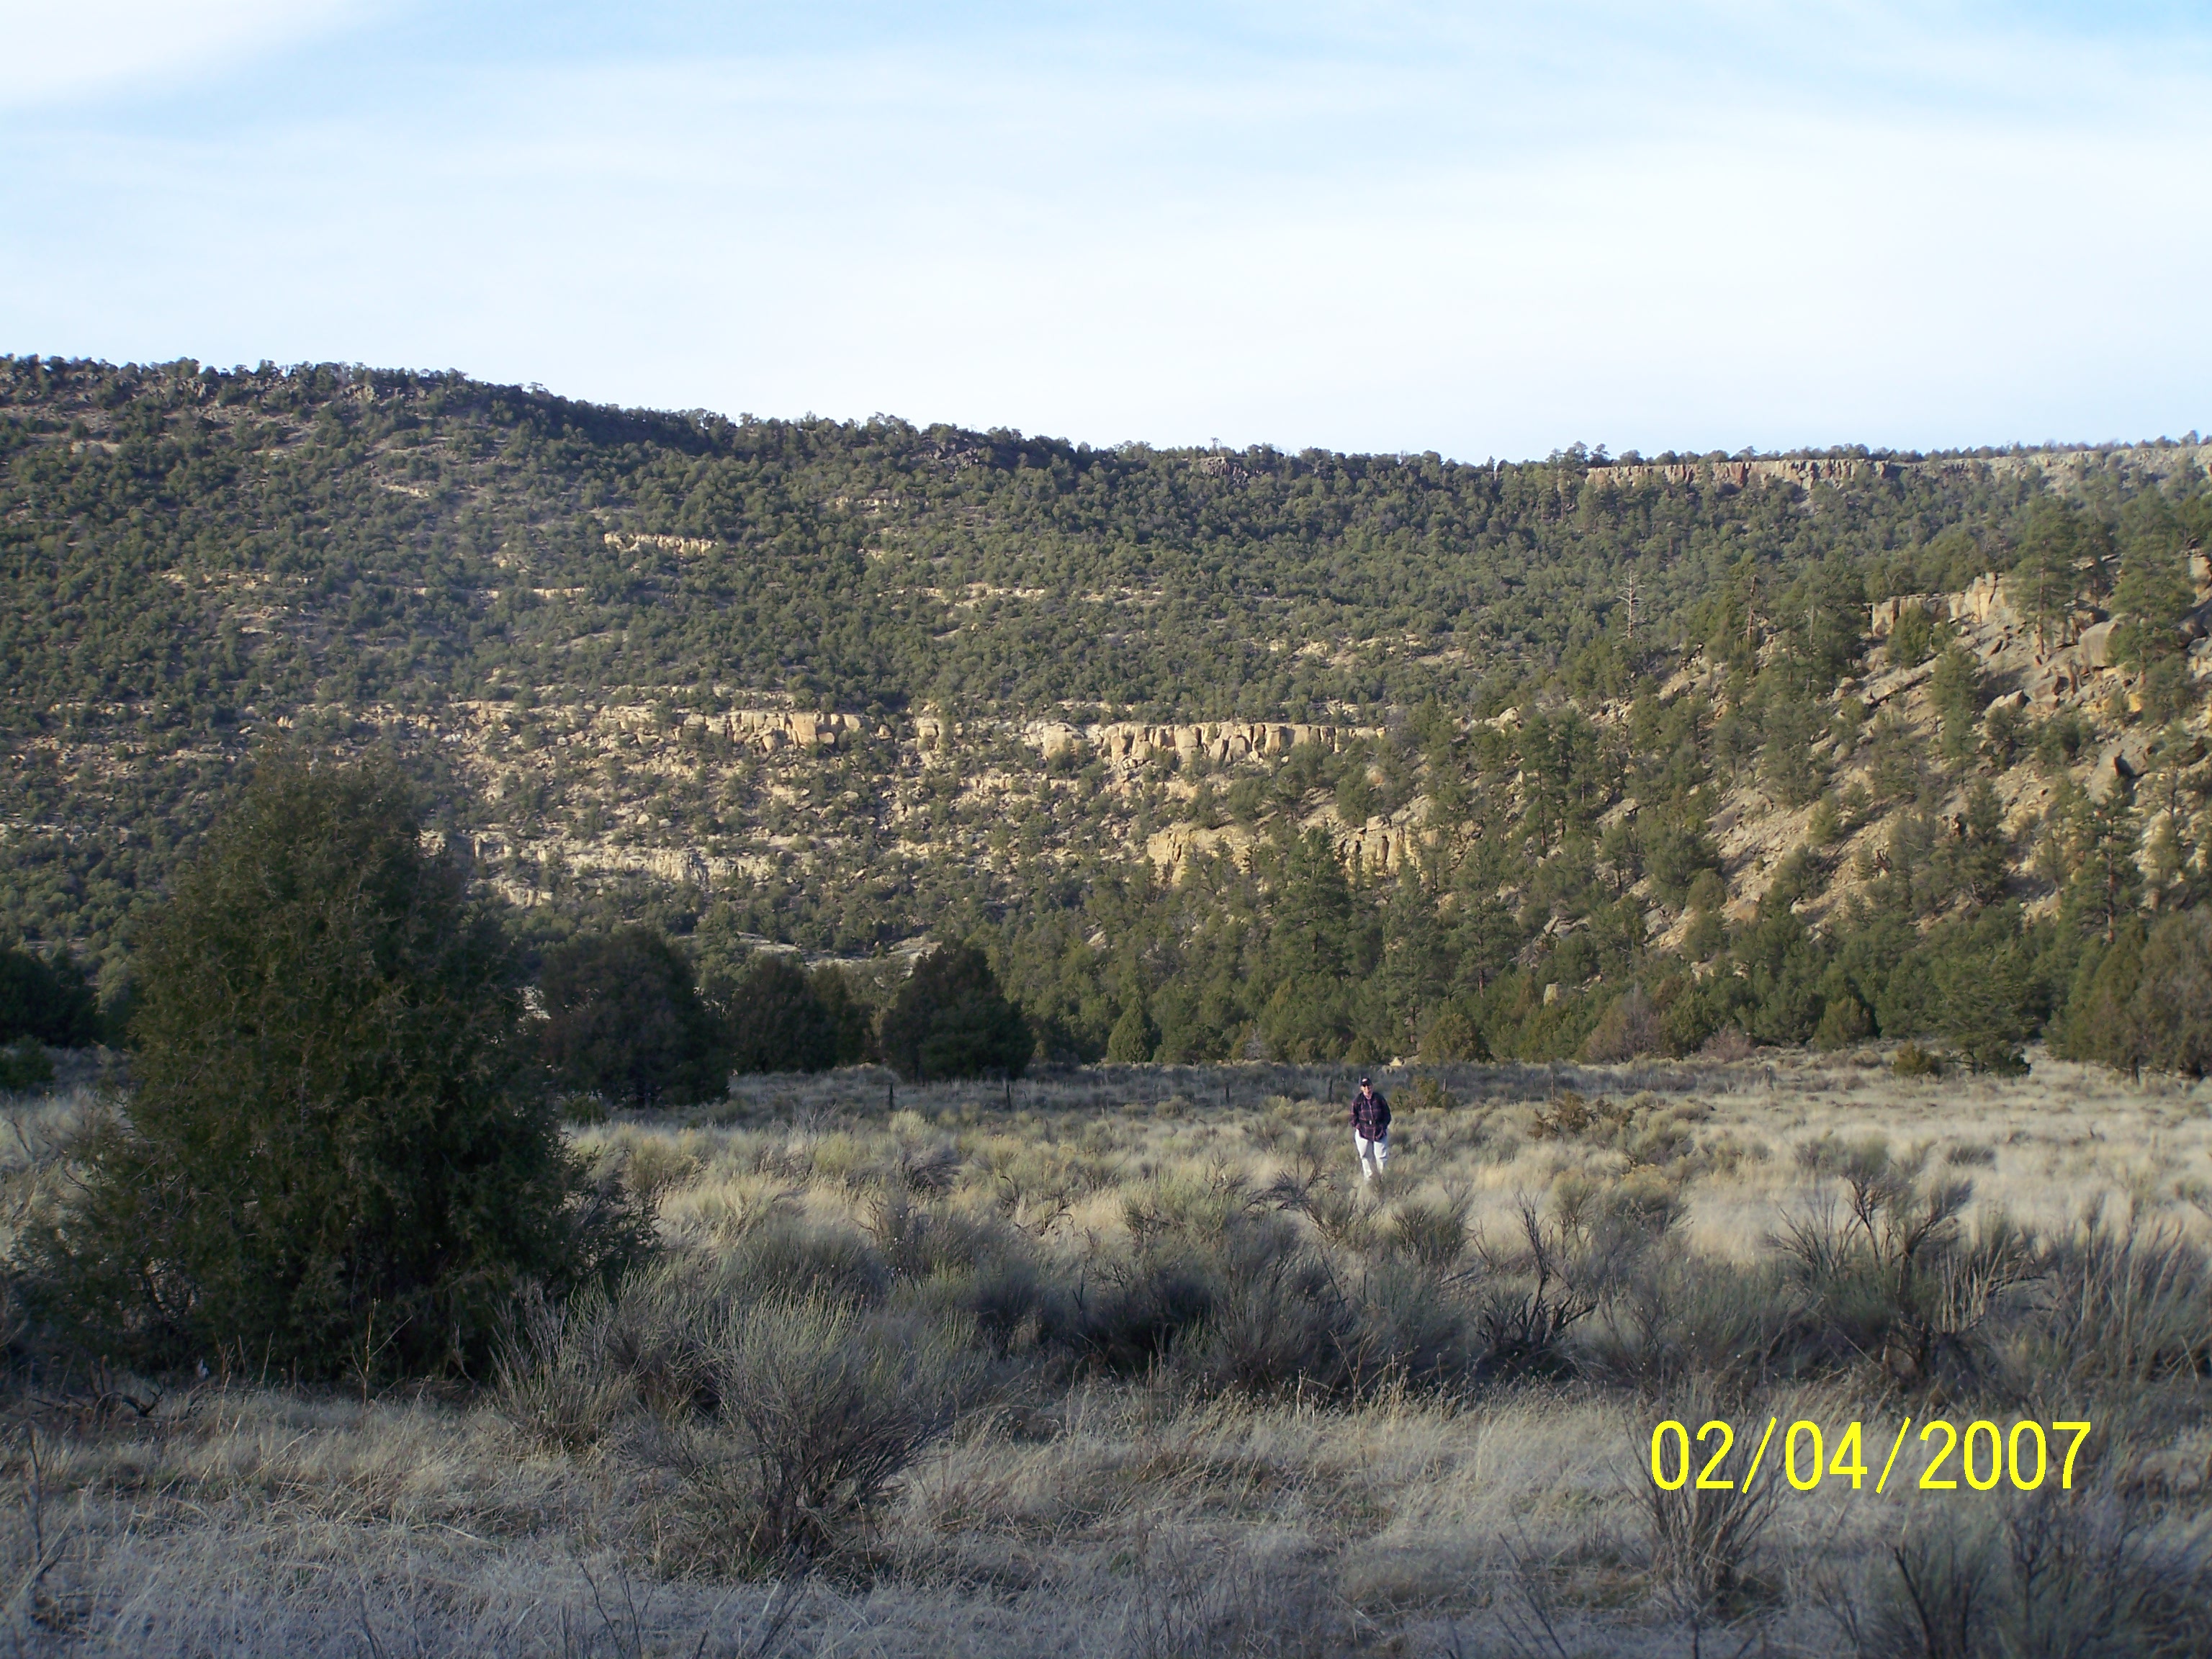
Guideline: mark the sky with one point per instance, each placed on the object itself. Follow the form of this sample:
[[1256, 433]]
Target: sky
[[1485, 230]]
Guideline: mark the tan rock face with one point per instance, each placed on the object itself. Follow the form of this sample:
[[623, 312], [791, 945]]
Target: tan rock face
[[618, 757], [807, 730], [1882, 614], [1982, 604], [2063, 469], [2095, 646], [1171, 848], [1381, 848], [1738, 475], [1384, 848], [1132, 742]]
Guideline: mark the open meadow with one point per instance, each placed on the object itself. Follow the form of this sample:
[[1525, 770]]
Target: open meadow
[[1130, 1361]]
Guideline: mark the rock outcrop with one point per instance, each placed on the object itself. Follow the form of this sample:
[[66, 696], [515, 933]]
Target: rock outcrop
[[1131, 743], [1728, 474], [1381, 847], [769, 729]]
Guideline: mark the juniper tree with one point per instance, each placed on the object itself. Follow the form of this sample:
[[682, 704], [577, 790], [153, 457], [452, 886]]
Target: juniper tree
[[951, 1020], [337, 1155]]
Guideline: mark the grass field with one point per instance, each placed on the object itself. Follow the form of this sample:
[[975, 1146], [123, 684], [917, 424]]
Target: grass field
[[1129, 1361]]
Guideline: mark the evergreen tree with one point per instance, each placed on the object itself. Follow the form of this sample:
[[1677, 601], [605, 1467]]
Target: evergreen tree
[[2099, 1002], [851, 1025], [624, 1021], [1986, 859], [1914, 637], [951, 1020], [337, 1155], [1956, 690], [2045, 576], [773, 1019], [1988, 1007], [2168, 1023], [1134, 1037], [45, 1001]]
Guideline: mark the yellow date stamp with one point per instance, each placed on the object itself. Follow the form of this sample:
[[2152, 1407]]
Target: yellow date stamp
[[1987, 1454]]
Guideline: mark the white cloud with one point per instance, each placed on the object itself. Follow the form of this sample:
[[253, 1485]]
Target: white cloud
[[60, 49]]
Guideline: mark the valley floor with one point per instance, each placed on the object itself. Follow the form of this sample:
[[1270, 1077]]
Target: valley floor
[[1151, 1510]]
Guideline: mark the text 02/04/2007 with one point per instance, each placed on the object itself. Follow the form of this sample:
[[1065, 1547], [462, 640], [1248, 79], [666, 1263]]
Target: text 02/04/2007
[[1986, 1454]]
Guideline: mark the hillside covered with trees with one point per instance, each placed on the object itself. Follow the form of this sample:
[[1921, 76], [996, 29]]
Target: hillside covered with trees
[[1217, 754]]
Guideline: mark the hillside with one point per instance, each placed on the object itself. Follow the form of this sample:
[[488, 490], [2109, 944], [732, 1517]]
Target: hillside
[[1225, 753]]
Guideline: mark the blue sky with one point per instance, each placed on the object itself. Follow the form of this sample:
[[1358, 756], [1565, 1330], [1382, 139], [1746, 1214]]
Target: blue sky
[[1485, 230]]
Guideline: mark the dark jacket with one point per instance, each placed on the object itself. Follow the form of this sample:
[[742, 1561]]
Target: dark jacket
[[1370, 1114]]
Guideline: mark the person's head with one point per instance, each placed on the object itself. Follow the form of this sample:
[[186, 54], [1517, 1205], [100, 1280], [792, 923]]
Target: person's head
[[1367, 1083]]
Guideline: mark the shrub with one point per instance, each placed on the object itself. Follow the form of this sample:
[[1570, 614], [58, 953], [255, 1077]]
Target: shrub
[[817, 1410], [1431, 1231], [335, 1157], [951, 1020], [1706, 1542], [1680, 1318], [1844, 1019], [2124, 1301], [552, 1379], [1894, 1278], [1910, 1060], [624, 1021], [2049, 1572], [1428, 1095]]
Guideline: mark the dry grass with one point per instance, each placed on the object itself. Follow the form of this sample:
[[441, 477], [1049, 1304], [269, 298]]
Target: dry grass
[[1306, 1468]]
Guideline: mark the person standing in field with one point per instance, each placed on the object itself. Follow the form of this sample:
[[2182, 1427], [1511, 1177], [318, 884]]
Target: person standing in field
[[1370, 1128]]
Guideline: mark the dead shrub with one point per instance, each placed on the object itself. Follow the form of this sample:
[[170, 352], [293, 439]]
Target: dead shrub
[[1726, 1045], [1706, 1544], [552, 1377], [1894, 1275], [819, 1409], [1629, 1027], [2077, 1574]]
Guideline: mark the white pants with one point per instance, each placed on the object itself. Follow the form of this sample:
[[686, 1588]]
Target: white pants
[[1373, 1154]]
